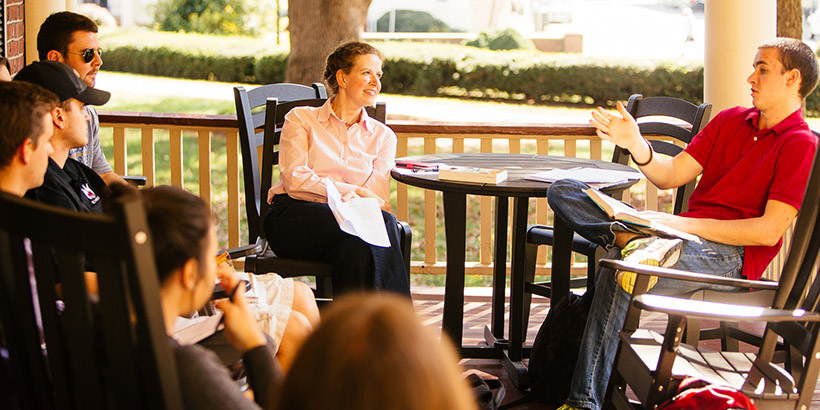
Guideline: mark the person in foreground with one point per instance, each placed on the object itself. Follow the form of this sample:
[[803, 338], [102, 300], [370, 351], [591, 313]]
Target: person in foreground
[[338, 143], [754, 164], [25, 135], [286, 309], [372, 352], [185, 246]]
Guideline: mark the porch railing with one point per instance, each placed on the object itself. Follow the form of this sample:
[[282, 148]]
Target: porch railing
[[414, 138]]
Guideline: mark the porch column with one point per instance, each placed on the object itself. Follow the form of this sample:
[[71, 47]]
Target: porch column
[[36, 13], [734, 29]]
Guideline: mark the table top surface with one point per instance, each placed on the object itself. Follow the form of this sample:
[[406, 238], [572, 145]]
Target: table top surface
[[518, 166]]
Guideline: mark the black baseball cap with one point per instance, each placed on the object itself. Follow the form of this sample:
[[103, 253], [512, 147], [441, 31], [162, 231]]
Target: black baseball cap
[[63, 81]]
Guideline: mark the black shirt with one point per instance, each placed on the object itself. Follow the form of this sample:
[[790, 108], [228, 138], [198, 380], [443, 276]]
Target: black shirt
[[75, 186]]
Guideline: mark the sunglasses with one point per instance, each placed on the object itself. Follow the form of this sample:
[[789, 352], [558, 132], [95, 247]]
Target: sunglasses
[[88, 54]]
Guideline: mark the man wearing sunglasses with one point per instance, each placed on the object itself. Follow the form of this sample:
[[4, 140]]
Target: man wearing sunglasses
[[71, 38]]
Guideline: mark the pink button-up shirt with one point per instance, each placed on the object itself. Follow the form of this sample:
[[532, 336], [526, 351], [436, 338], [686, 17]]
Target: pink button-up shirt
[[315, 145]]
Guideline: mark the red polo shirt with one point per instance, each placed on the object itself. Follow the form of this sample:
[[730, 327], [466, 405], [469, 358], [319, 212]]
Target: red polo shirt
[[743, 167]]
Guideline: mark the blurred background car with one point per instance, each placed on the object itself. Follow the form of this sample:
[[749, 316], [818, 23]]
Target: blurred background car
[[813, 23]]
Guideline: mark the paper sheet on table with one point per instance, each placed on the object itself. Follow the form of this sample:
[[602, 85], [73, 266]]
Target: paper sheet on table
[[361, 217], [587, 175]]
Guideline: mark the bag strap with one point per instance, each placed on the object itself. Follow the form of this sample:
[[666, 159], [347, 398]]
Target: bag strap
[[489, 392]]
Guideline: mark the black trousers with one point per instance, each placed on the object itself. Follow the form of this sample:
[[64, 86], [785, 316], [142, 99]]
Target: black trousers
[[307, 230]]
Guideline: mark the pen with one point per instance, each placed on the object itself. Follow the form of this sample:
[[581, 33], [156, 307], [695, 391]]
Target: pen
[[417, 168], [233, 292]]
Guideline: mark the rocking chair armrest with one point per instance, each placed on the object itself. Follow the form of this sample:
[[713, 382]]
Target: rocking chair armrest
[[720, 311], [690, 276]]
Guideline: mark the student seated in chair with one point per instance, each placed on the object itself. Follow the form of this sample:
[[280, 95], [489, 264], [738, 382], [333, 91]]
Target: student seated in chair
[[288, 313], [71, 38], [68, 183], [338, 143], [754, 164], [25, 135], [185, 247]]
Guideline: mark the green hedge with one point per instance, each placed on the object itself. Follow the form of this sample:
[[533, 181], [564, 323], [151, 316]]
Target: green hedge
[[535, 76], [194, 56], [420, 69]]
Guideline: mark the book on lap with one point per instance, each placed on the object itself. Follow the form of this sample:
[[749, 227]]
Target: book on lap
[[628, 215], [189, 331]]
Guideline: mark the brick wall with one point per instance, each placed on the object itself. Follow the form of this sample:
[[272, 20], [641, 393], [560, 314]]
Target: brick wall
[[15, 33]]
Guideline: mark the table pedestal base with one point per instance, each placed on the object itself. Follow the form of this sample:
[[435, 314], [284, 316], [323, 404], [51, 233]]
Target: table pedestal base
[[516, 370]]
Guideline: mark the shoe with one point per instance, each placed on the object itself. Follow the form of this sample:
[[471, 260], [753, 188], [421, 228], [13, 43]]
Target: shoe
[[567, 407], [652, 251]]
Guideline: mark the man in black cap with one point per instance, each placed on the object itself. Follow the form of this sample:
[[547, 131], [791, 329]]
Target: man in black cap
[[68, 183]]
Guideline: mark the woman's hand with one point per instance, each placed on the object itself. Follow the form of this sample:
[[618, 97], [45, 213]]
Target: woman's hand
[[366, 193], [240, 323]]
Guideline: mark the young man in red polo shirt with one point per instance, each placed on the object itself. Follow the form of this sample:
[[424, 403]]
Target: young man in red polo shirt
[[754, 164]]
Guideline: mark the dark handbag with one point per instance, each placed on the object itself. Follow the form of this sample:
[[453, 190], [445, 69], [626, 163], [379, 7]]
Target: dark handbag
[[488, 392], [555, 349]]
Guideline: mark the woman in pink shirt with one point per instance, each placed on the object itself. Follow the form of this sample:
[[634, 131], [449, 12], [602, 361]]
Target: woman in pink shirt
[[338, 143]]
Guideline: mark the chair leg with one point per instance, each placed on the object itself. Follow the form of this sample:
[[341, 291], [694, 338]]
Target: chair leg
[[405, 239], [530, 255], [615, 397], [727, 342], [592, 265], [324, 287], [692, 335]]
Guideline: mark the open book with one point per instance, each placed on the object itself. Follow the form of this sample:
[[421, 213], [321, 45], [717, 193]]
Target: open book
[[361, 217], [626, 214], [190, 331]]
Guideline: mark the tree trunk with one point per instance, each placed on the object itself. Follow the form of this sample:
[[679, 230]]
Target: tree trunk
[[790, 19], [316, 27]]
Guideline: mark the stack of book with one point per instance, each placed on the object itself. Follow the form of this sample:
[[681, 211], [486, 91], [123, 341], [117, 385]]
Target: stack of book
[[473, 175]]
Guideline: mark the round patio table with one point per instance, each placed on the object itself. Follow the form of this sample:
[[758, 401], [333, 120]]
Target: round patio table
[[454, 193]]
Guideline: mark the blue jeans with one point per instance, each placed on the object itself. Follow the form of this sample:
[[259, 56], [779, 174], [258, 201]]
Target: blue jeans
[[609, 305]]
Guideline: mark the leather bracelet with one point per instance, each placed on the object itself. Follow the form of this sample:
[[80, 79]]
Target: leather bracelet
[[651, 154]]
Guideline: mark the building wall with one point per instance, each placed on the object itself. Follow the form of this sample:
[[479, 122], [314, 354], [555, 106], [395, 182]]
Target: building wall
[[132, 12], [14, 33]]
